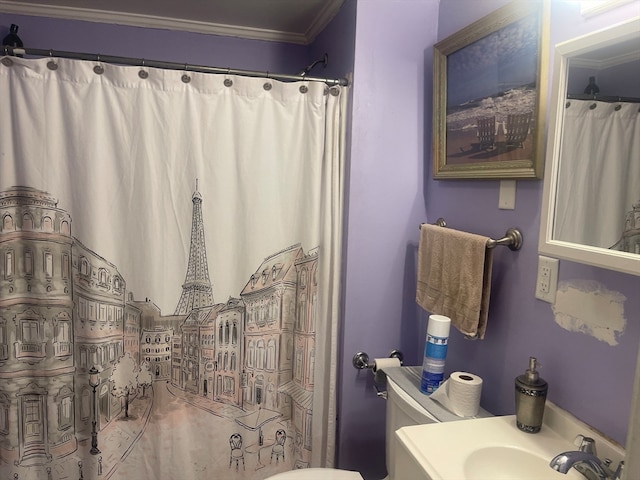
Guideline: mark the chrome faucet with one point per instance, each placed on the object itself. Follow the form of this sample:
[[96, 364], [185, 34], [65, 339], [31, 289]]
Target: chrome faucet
[[586, 461]]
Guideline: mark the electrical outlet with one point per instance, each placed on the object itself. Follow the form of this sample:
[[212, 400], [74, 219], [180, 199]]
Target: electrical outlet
[[547, 279]]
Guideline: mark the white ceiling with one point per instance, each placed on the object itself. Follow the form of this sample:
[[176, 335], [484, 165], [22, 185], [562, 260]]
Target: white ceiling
[[291, 21]]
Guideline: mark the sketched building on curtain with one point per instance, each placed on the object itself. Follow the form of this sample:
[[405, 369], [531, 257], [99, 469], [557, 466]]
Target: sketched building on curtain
[[98, 329], [230, 331], [155, 349], [37, 398], [631, 232], [300, 389], [198, 334], [132, 329], [270, 302]]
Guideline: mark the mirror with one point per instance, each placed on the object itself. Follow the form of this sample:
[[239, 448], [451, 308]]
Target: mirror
[[591, 201]]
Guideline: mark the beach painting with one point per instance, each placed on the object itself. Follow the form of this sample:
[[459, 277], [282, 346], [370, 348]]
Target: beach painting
[[487, 97]]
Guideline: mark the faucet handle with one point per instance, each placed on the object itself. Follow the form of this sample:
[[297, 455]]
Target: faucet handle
[[619, 471], [586, 444]]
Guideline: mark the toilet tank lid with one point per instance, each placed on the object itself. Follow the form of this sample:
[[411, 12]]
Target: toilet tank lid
[[408, 379]]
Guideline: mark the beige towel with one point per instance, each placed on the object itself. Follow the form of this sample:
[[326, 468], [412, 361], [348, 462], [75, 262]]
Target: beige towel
[[454, 277]]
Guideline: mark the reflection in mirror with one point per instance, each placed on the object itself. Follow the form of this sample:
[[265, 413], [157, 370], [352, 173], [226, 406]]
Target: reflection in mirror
[[591, 210], [600, 150]]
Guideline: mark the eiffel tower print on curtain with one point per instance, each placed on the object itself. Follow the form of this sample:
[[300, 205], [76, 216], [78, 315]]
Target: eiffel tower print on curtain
[[196, 290]]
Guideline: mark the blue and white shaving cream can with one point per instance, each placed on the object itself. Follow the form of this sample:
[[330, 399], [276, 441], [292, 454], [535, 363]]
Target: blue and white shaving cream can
[[435, 353]]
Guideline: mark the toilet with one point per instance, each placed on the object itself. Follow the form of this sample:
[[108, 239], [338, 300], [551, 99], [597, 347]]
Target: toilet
[[406, 406]]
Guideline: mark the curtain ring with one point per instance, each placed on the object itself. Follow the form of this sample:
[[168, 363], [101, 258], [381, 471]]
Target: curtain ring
[[267, 85], [98, 69], [51, 64], [185, 77], [143, 74]]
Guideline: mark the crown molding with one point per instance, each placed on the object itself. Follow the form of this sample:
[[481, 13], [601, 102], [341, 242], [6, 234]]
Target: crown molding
[[330, 10], [151, 21], [591, 8], [605, 63]]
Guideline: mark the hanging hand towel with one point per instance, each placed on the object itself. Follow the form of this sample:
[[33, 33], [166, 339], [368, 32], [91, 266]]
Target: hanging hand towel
[[454, 277]]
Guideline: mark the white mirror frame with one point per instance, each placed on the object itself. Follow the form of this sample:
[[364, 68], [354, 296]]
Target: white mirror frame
[[599, 257]]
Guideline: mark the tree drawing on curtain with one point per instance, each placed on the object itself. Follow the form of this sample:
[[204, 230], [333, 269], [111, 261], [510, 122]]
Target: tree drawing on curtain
[[145, 379], [242, 367], [124, 378]]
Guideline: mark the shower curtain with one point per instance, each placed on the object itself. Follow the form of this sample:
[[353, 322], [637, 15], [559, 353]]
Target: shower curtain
[[169, 272], [599, 165]]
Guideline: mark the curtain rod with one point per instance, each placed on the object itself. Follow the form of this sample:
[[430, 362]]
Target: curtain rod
[[38, 52]]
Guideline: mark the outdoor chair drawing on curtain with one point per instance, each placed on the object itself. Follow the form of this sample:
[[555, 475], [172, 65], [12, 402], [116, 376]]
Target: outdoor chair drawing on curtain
[[235, 442], [486, 132], [278, 447], [517, 129]]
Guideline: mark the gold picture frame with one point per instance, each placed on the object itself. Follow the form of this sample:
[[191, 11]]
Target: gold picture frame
[[489, 96]]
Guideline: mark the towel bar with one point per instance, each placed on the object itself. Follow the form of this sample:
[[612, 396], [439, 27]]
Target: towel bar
[[512, 238]]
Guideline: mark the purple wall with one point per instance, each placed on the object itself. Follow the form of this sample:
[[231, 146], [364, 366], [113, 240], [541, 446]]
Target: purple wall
[[389, 160], [337, 39], [156, 44], [391, 191]]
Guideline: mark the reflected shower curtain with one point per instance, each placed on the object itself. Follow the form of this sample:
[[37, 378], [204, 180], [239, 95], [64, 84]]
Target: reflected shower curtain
[[599, 165], [169, 266]]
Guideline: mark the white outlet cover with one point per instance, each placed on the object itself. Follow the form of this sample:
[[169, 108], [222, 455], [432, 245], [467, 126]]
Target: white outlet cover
[[547, 284]]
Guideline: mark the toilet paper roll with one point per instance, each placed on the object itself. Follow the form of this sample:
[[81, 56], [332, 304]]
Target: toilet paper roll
[[460, 394], [381, 363]]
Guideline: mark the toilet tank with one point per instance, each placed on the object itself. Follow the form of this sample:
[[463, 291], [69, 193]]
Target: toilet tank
[[401, 411]]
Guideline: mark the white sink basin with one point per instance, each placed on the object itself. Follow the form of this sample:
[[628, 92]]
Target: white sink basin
[[507, 463], [479, 449]]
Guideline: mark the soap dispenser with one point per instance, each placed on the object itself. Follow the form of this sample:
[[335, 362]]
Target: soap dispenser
[[531, 395]]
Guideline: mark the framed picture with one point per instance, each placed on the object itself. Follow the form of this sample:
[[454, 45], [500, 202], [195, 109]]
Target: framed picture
[[489, 93]]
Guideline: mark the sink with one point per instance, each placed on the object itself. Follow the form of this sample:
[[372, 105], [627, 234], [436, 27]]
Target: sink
[[478, 449], [507, 463]]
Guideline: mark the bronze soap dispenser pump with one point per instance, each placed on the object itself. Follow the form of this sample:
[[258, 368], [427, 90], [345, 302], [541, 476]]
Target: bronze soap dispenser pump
[[531, 395]]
